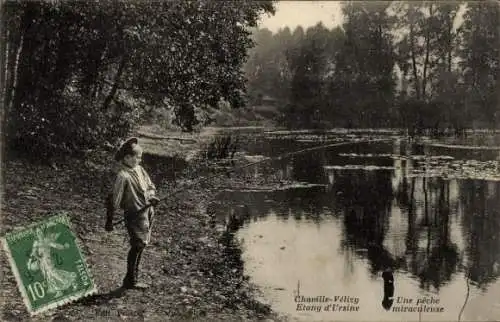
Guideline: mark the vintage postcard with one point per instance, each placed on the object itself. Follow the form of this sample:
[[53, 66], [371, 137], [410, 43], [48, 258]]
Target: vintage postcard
[[250, 160]]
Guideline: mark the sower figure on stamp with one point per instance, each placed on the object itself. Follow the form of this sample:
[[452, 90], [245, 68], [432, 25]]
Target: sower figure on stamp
[[132, 192]]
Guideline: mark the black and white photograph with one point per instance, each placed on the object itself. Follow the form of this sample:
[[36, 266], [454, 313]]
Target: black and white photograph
[[241, 160]]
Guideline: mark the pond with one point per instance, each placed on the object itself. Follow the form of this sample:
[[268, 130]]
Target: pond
[[428, 212]]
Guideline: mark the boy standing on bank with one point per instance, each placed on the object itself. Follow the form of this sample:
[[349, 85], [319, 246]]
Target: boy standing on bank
[[135, 193]]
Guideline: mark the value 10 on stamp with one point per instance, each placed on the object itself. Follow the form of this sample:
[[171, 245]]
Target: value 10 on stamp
[[48, 265]]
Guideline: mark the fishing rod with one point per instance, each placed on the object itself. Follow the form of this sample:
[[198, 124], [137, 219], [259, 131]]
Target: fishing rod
[[276, 158]]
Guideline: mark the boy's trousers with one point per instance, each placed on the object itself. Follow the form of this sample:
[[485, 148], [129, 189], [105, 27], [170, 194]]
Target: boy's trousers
[[139, 230]]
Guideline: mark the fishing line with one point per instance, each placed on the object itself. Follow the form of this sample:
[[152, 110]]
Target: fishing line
[[467, 281], [466, 296], [276, 158]]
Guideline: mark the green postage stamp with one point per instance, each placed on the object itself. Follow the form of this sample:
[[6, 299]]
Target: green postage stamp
[[49, 267]]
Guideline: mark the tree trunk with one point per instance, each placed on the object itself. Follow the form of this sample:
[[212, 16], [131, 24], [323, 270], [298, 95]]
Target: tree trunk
[[427, 53], [22, 73], [116, 81], [4, 48], [60, 73], [414, 63], [450, 42], [14, 73], [451, 14], [5, 72], [498, 96], [96, 89], [404, 83]]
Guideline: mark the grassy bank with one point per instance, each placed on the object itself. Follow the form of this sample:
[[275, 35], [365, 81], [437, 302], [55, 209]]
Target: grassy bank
[[195, 270]]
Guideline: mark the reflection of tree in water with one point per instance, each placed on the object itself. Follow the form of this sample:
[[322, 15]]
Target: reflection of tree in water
[[298, 203], [440, 257], [430, 254], [306, 202], [365, 198], [309, 167], [404, 188], [481, 222], [237, 207], [427, 204]]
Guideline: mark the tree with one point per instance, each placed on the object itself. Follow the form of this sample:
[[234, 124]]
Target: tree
[[308, 62], [448, 74], [364, 72], [426, 54], [480, 59], [267, 70], [75, 68]]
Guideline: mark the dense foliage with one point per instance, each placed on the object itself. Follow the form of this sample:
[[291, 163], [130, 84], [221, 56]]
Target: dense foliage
[[413, 64], [79, 73]]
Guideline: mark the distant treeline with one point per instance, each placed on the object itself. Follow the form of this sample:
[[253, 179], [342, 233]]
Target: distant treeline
[[414, 64]]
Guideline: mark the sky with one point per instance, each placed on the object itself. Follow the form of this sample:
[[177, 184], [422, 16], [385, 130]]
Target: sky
[[308, 13], [304, 13]]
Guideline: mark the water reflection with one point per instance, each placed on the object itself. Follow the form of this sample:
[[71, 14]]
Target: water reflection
[[427, 230], [481, 224], [364, 199], [309, 168]]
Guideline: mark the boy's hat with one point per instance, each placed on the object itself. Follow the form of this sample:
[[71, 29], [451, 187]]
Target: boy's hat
[[125, 148]]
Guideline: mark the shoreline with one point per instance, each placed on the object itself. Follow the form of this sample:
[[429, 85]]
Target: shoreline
[[194, 274]]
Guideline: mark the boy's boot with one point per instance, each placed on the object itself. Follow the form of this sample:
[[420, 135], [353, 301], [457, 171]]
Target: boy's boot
[[130, 279], [139, 285], [133, 258]]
